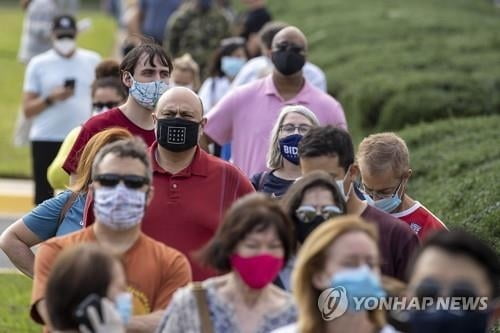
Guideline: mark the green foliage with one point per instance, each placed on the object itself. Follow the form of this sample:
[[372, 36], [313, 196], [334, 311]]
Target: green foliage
[[393, 63], [15, 292], [14, 161], [456, 165]]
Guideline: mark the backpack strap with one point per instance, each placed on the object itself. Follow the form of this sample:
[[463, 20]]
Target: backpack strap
[[67, 205], [262, 179], [201, 300]]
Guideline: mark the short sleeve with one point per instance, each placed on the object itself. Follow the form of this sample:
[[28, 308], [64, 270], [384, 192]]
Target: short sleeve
[[44, 260], [31, 80], [73, 158], [43, 219], [175, 276], [221, 119], [57, 177], [181, 315]]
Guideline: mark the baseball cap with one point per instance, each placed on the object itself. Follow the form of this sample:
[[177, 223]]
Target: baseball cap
[[64, 25]]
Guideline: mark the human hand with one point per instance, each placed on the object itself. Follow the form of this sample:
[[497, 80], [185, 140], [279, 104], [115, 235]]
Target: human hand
[[111, 320], [61, 93]]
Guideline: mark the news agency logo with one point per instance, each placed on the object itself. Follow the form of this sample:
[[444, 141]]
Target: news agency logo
[[334, 302]]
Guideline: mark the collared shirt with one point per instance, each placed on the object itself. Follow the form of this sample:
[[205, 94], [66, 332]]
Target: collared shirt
[[247, 115], [261, 66], [188, 206]]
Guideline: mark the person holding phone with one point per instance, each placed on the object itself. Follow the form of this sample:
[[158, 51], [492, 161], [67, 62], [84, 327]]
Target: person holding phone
[[57, 97]]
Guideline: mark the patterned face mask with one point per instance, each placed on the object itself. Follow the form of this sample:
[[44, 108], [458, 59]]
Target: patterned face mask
[[147, 94]]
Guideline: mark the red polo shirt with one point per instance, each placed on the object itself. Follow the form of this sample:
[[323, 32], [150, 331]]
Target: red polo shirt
[[187, 207]]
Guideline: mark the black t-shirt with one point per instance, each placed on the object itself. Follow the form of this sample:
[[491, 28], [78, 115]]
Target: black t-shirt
[[267, 182]]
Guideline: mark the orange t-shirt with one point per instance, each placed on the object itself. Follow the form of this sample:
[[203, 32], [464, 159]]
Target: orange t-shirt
[[154, 271]]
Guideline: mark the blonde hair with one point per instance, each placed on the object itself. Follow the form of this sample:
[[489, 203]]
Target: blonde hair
[[378, 151], [311, 260], [274, 158], [187, 63], [84, 168]]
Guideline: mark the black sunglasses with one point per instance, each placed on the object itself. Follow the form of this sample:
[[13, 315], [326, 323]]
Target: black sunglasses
[[130, 181], [108, 105]]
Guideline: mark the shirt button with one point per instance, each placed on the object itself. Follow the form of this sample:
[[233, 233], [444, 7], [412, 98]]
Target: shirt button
[[174, 185]]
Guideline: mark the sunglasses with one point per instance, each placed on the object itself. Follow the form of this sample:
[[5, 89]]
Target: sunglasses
[[108, 105], [130, 181], [307, 213]]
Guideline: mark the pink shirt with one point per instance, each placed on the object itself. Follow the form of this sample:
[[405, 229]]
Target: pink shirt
[[247, 115]]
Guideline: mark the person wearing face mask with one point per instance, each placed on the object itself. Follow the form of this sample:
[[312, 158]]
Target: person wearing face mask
[[384, 165], [246, 115], [283, 157], [84, 271], [56, 97], [107, 93], [227, 60], [455, 264], [186, 73], [262, 65], [330, 149], [339, 259], [122, 189], [309, 202], [193, 188], [145, 72], [250, 247]]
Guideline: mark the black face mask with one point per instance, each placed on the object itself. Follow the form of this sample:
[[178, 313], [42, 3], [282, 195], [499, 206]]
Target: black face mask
[[304, 229], [288, 62], [177, 134]]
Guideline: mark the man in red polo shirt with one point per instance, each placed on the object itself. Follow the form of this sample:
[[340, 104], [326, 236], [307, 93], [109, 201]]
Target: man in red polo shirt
[[146, 73], [192, 188]]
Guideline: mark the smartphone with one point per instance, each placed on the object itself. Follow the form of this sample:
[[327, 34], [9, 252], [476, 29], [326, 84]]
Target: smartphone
[[81, 310], [69, 83]]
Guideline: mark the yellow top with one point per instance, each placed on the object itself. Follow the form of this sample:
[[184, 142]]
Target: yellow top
[[57, 177]]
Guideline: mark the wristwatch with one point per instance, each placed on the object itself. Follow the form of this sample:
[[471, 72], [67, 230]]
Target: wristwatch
[[48, 101]]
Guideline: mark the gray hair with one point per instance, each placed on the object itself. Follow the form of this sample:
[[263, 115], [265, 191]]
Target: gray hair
[[274, 158], [133, 148]]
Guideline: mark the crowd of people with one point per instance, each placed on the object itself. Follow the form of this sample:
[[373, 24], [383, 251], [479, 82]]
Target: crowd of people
[[155, 159]]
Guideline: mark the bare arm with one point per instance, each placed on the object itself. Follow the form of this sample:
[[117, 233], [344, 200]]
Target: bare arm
[[42, 311], [145, 323], [34, 104], [16, 242]]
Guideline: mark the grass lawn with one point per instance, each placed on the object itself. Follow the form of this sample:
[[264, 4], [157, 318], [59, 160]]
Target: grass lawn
[[14, 161], [15, 293]]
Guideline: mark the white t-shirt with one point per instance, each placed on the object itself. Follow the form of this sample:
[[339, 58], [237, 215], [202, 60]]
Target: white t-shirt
[[49, 70], [261, 66], [212, 90]]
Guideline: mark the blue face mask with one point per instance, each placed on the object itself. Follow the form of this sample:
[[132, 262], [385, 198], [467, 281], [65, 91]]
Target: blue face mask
[[147, 94], [124, 306], [358, 282], [432, 321], [388, 205], [289, 148], [231, 65]]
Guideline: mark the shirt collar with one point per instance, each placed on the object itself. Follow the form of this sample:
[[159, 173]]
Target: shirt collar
[[197, 167], [303, 97]]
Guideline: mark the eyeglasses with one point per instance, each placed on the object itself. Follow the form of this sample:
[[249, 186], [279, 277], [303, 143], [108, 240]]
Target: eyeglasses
[[307, 213], [290, 128], [377, 195], [284, 46], [108, 105], [130, 181]]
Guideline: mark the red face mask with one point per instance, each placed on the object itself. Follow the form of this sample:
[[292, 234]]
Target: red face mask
[[257, 271]]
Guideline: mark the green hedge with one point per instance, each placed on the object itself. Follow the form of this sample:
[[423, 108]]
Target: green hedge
[[456, 165], [394, 63]]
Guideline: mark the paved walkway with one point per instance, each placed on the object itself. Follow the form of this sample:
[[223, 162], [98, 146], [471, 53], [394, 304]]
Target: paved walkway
[[16, 199]]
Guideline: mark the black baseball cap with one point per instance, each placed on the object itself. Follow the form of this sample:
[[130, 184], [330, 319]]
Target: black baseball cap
[[64, 25]]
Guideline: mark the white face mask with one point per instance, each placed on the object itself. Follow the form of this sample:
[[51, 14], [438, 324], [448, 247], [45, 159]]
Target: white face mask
[[119, 207], [65, 46], [340, 184]]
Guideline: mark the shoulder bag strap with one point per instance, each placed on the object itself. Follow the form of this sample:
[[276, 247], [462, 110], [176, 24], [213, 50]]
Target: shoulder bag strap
[[71, 200], [201, 299], [262, 179]]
